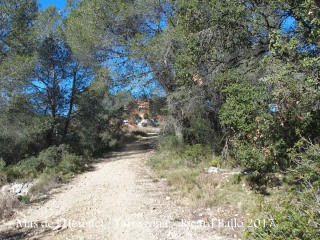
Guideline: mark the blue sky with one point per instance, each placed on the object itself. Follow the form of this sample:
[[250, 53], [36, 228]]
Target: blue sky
[[58, 3], [137, 87]]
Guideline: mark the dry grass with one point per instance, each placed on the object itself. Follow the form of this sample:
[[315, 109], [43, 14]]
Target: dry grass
[[45, 183], [144, 129], [223, 193], [211, 190], [8, 203]]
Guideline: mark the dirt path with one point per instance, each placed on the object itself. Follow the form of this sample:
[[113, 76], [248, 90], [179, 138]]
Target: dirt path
[[119, 199]]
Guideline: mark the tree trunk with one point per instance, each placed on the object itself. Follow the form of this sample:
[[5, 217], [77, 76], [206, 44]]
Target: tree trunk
[[176, 121], [71, 102]]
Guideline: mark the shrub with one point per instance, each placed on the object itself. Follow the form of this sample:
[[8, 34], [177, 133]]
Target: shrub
[[8, 203], [25, 199], [198, 131], [71, 163], [169, 143], [297, 214], [196, 153], [53, 160], [288, 220], [46, 182], [52, 156], [26, 169], [250, 157], [3, 176]]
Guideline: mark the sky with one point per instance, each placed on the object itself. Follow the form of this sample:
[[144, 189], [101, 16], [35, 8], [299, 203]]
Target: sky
[[58, 3], [288, 24]]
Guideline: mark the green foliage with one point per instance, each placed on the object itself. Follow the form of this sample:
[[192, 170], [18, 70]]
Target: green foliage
[[285, 220], [306, 156], [21, 131], [198, 130], [245, 109], [196, 153], [169, 142], [98, 124], [179, 154], [52, 156], [158, 106], [3, 176], [250, 123], [25, 199], [184, 179], [2, 164], [297, 214], [251, 158], [55, 159], [145, 116]]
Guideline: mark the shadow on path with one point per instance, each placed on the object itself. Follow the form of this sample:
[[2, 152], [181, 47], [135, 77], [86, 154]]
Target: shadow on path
[[35, 230]]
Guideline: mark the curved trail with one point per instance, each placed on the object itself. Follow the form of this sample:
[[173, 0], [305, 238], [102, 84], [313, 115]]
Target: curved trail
[[119, 199]]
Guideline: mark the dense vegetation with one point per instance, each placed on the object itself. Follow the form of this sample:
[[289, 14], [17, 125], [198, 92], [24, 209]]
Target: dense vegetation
[[241, 78], [56, 112]]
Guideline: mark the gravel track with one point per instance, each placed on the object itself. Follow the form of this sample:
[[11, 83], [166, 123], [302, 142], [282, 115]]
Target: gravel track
[[118, 199]]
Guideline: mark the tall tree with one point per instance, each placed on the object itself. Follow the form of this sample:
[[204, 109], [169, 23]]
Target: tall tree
[[58, 77], [16, 44], [18, 133]]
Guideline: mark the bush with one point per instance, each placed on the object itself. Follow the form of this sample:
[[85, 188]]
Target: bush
[[172, 154], [289, 221], [71, 163], [169, 143], [30, 168], [3, 176], [251, 158], [196, 153], [8, 203], [52, 156], [297, 214], [53, 160], [25, 199], [46, 182]]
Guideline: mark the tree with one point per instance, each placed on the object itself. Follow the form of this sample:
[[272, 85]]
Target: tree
[[99, 117], [20, 127], [58, 78], [46, 87], [16, 45], [21, 130]]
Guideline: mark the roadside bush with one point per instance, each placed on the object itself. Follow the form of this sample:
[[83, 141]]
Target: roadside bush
[[52, 156], [54, 160], [173, 154], [169, 143], [196, 153], [287, 220], [71, 163], [250, 157], [29, 168], [8, 203], [297, 214], [45, 183], [3, 176]]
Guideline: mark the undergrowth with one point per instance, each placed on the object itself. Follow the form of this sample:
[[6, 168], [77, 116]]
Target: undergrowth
[[287, 208], [186, 169], [52, 166]]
